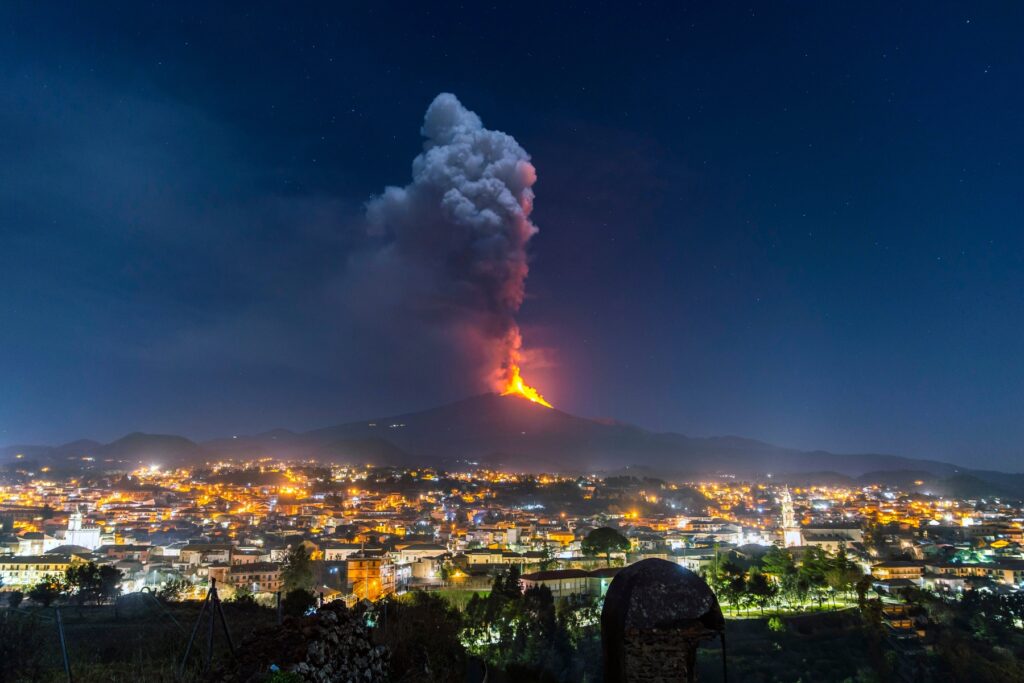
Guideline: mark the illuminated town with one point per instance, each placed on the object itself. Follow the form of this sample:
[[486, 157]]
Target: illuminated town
[[375, 531]]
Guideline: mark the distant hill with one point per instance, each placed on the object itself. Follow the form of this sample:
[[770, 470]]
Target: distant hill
[[152, 449], [509, 432], [127, 452]]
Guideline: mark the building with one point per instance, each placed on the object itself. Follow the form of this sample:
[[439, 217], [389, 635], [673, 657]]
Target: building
[[483, 556], [78, 534], [414, 552], [696, 559], [259, 577], [565, 582], [33, 543], [125, 551], [792, 536], [197, 554], [898, 569], [561, 582], [371, 576], [829, 541], [28, 571], [1009, 571]]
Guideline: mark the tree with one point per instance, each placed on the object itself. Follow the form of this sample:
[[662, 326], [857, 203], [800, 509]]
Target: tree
[[110, 578], [297, 602], [843, 574], [778, 562], [604, 541], [174, 590], [297, 572], [47, 590], [548, 560], [82, 582], [811, 574], [727, 579], [579, 616], [734, 581], [508, 582], [444, 572], [760, 588], [539, 643], [242, 597], [422, 633], [520, 631], [779, 566]]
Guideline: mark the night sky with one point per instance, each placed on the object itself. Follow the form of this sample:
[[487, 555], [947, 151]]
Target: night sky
[[799, 222]]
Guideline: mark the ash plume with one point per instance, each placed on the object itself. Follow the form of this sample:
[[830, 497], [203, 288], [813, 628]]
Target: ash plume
[[452, 243]]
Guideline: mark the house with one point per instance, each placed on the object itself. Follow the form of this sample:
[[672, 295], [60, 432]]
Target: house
[[1006, 571], [33, 543], [259, 577], [828, 541], [415, 552], [30, 570], [372, 576], [561, 582], [247, 556], [196, 554], [565, 582], [479, 556], [695, 559], [125, 552], [898, 569]]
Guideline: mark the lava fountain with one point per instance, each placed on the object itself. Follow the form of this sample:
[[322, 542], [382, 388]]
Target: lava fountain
[[516, 386]]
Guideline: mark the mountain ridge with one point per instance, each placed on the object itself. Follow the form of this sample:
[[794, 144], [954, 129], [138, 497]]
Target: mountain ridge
[[508, 432]]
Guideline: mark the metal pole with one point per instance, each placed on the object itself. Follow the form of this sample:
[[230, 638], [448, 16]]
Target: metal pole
[[195, 630], [63, 644], [725, 667], [213, 618], [223, 622]]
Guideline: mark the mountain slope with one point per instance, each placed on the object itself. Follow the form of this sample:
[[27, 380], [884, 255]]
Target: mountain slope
[[520, 435], [512, 433]]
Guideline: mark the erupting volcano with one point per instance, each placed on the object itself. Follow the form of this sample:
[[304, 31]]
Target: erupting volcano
[[515, 385], [452, 247]]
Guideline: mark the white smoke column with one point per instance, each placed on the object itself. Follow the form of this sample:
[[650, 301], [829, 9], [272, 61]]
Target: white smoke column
[[459, 231]]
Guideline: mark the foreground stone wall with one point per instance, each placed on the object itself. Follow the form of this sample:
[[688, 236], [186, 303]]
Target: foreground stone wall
[[656, 614]]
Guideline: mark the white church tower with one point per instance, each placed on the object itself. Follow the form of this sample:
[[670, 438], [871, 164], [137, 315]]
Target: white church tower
[[791, 533], [77, 534]]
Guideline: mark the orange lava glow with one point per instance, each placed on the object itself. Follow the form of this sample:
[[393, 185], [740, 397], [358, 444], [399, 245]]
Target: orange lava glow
[[516, 385]]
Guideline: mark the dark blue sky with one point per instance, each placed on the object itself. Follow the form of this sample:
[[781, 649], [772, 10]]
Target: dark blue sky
[[799, 222]]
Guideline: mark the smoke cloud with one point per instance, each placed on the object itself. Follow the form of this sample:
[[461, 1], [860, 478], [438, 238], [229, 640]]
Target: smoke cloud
[[452, 243]]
